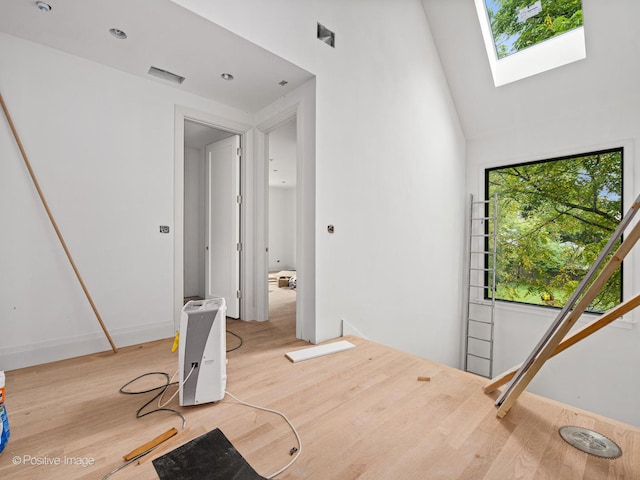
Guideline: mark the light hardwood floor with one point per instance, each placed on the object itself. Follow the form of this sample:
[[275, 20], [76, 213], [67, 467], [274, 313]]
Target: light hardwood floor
[[361, 414]]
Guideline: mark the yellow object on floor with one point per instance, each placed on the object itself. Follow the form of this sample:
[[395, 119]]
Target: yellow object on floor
[[176, 342]]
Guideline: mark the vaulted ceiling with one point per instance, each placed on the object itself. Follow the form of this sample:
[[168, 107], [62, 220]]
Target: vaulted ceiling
[[163, 34], [608, 76]]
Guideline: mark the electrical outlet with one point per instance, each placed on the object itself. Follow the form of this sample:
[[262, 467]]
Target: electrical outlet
[[164, 228]]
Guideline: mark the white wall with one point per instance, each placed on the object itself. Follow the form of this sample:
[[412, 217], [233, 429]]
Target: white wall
[[389, 166], [282, 229], [101, 143], [600, 373], [194, 221]]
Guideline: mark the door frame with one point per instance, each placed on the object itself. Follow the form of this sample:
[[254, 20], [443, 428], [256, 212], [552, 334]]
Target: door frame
[[265, 130], [181, 114], [253, 217], [305, 215]]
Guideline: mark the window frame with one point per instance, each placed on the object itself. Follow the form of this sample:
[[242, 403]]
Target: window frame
[[623, 173], [552, 53]]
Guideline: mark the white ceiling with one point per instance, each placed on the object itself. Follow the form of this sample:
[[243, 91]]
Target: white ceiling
[[608, 76], [161, 34], [167, 36]]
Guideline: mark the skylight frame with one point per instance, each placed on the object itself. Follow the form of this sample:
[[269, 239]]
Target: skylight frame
[[555, 52]]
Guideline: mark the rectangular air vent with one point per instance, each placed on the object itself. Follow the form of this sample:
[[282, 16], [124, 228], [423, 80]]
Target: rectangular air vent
[[325, 35], [172, 77]]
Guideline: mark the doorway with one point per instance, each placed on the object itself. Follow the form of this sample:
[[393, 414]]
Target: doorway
[[211, 233], [282, 214], [254, 218]]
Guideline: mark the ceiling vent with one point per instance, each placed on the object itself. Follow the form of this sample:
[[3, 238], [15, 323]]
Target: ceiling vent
[[327, 36], [165, 75]]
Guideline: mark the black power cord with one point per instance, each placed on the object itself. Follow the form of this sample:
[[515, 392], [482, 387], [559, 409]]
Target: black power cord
[[239, 338], [160, 389]]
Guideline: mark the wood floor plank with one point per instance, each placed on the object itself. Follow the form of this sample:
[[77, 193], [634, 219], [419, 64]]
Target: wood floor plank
[[362, 414]]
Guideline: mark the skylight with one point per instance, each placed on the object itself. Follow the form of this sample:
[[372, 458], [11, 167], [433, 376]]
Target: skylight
[[525, 37]]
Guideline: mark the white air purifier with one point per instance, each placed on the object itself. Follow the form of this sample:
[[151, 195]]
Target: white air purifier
[[202, 351]]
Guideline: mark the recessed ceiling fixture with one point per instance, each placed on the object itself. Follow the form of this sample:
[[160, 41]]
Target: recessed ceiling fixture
[[43, 7], [227, 76], [165, 75], [116, 32]]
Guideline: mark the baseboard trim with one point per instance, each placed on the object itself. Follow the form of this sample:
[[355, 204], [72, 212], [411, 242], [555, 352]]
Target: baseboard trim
[[12, 358], [348, 329]]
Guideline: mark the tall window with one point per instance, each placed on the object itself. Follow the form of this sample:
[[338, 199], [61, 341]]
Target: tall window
[[554, 218]]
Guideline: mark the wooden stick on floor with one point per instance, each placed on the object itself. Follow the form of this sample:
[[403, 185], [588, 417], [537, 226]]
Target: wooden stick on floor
[[170, 443], [564, 328], [163, 437], [572, 339], [53, 222]]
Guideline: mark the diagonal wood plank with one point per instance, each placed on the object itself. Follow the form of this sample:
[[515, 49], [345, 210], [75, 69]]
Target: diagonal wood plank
[[565, 326], [562, 315], [572, 339], [54, 224]]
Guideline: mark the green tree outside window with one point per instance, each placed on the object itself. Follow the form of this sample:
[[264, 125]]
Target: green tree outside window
[[514, 30], [554, 218]]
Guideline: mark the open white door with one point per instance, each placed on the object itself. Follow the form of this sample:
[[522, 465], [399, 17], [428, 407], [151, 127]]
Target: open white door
[[222, 264]]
